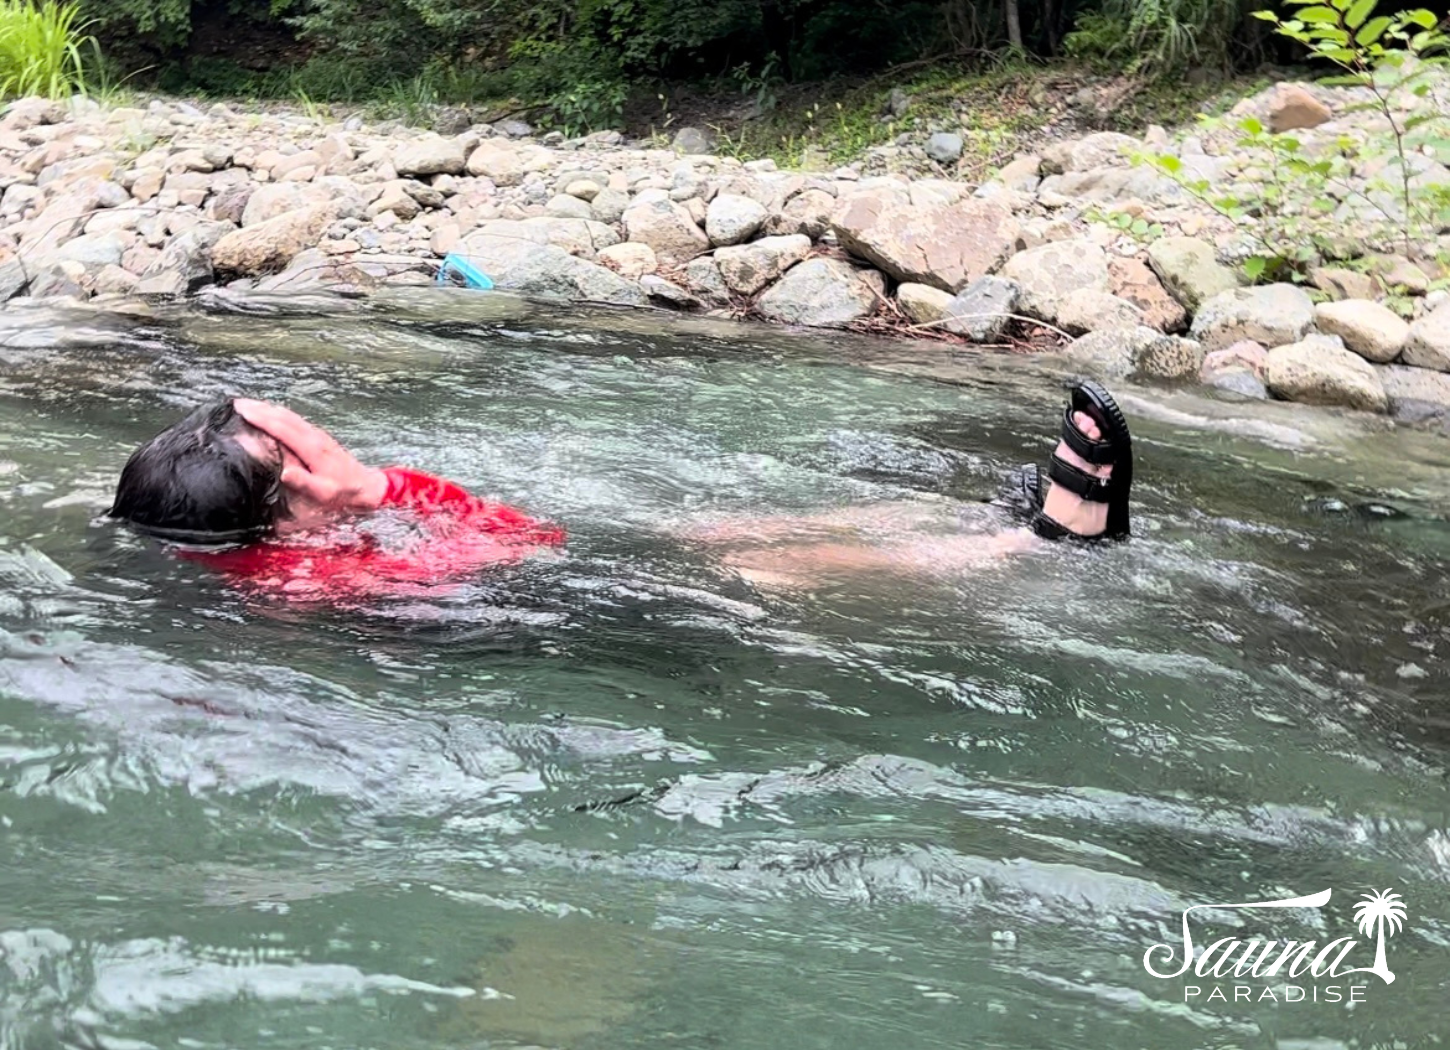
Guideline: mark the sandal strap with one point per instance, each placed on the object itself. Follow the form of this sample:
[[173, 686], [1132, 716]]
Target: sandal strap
[[1049, 529], [1079, 482], [1096, 452]]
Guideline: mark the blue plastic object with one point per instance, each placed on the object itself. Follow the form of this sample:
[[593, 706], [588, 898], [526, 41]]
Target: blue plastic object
[[457, 265]]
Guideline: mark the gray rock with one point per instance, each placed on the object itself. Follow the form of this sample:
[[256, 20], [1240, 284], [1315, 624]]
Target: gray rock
[[661, 290], [545, 270], [747, 268], [1416, 394], [452, 120], [704, 278], [1190, 270], [667, 228], [1090, 309], [1274, 315], [514, 129], [185, 264], [92, 251], [1373, 331], [692, 140], [111, 195], [565, 206], [1105, 185], [946, 247], [1320, 371], [898, 102], [1049, 273], [609, 205], [1112, 353], [1239, 383], [945, 147], [981, 310], [13, 279], [1105, 149], [823, 293], [922, 303], [1428, 345], [808, 212], [497, 160], [731, 219]]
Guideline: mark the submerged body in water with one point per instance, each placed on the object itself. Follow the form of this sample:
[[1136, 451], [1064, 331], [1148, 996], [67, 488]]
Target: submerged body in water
[[241, 482], [618, 798]]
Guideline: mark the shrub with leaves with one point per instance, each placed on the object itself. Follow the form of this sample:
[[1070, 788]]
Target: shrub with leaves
[[1294, 203]]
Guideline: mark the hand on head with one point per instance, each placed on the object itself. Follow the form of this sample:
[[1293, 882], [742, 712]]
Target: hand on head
[[321, 478]]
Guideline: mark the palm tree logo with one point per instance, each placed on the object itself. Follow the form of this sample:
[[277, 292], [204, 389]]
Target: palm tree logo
[[1377, 913]]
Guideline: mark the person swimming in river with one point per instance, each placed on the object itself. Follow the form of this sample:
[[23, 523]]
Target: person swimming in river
[[1084, 498], [248, 487], [252, 488]]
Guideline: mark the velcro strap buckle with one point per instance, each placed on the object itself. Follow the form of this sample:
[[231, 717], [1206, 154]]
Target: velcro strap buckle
[[1079, 482], [1095, 452]]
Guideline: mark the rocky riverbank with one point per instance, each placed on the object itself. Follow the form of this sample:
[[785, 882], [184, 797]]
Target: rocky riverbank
[[165, 200]]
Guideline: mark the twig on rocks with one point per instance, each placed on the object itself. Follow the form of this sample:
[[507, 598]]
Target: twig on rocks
[[1010, 317]]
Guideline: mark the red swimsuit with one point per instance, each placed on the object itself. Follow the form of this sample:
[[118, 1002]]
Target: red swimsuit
[[461, 534]]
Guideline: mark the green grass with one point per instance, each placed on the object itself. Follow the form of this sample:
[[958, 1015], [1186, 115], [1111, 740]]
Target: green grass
[[998, 109], [40, 49]]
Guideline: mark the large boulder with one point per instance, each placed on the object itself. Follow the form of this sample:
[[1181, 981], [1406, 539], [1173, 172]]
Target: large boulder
[[529, 268], [1320, 371], [269, 246], [430, 155], [747, 268], [1416, 394], [582, 237], [823, 293], [185, 264], [277, 198], [731, 219], [1111, 353], [667, 228], [1189, 270], [496, 159], [1428, 344], [1090, 309], [946, 246], [808, 212], [1105, 149], [1372, 330], [1048, 274], [609, 205], [629, 259], [982, 311], [1274, 315]]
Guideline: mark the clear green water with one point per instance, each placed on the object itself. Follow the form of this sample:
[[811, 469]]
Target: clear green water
[[625, 800]]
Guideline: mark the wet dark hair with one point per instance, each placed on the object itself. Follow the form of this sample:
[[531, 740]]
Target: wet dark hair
[[194, 483]]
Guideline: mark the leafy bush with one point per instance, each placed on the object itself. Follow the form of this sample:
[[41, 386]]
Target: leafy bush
[[1293, 208], [1157, 36], [40, 49]]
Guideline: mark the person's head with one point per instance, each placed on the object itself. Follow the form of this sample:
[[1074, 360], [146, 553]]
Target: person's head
[[210, 479]]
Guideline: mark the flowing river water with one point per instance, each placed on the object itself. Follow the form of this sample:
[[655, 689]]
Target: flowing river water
[[626, 798]]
